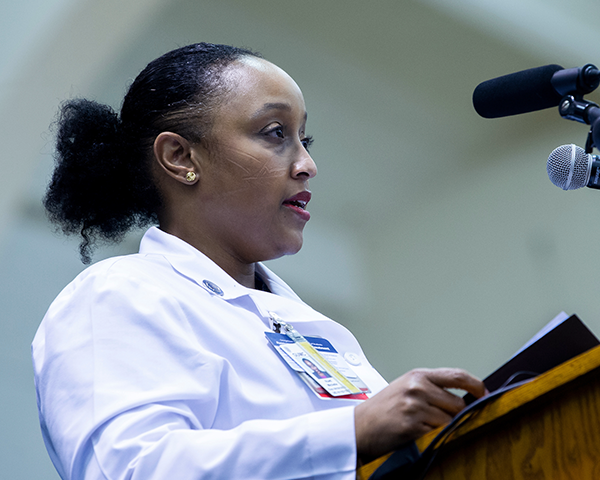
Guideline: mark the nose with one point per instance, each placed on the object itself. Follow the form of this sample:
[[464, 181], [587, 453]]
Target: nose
[[304, 166]]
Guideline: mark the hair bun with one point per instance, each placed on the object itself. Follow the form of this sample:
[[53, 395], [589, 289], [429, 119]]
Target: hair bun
[[86, 126], [88, 194]]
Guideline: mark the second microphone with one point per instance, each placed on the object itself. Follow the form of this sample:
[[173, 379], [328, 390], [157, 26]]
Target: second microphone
[[570, 168]]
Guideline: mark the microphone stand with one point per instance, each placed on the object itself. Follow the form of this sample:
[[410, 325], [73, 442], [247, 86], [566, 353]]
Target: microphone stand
[[573, 83], [586, 112]]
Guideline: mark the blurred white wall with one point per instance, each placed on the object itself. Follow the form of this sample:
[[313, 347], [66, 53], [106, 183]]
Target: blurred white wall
[[436, 236]]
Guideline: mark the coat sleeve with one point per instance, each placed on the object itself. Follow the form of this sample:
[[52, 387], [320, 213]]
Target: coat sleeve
[[124, 392], [160, 441]]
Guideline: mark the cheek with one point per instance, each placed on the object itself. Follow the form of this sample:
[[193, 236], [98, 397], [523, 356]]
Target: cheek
[[252, 176], [249, 162], [254, 169], [250, 197]]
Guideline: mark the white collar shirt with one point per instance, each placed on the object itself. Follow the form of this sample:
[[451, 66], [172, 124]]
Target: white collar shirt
[[156, 365]]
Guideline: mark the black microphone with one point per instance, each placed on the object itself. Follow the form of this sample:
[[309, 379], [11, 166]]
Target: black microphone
[[570, 168], [532, 90]]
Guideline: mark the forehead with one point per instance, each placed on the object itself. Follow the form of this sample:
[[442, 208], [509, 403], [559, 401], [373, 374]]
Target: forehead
[[253, 82]]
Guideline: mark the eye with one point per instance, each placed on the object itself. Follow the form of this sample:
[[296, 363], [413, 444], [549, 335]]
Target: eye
[[277, 133], [307, 142], [274, 132]]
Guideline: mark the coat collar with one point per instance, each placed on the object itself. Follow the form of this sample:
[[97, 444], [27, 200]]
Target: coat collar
[[193, 264]]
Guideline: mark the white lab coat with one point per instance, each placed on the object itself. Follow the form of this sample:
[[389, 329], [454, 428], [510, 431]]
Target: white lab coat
[[145, 371]]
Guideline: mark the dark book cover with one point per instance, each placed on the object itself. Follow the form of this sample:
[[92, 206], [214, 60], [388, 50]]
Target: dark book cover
[[565, 341]]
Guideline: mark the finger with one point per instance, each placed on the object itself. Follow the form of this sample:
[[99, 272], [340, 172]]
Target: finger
[[418, 386], [445, 400], [434, 417], [457, 378]]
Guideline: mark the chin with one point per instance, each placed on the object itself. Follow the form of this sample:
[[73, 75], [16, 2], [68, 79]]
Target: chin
[[296, 245], [294, 251], [290, 248]]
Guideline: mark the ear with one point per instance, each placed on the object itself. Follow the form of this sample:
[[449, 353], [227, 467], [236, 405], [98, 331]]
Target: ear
[[173, 154]]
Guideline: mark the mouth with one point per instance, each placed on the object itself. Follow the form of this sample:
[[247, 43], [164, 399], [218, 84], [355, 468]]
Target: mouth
[[298, 203], [299, 200]]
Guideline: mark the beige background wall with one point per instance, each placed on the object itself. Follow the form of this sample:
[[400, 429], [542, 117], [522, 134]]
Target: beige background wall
[[436, 236]]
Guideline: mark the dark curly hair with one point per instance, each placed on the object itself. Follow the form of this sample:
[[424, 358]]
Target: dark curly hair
[[102, 184]]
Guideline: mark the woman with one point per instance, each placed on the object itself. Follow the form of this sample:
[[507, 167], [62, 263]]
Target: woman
[[157, 365]]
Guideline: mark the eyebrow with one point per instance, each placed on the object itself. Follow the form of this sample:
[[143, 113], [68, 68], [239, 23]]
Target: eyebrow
[[275, 106]]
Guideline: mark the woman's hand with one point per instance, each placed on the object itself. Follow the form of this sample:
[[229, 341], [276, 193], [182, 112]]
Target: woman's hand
[[409, 407]]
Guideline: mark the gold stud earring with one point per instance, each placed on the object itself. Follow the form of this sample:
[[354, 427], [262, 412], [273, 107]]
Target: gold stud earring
[[190, 176]]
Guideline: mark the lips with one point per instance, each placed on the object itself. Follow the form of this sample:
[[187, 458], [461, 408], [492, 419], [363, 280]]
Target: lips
[[298, 203]]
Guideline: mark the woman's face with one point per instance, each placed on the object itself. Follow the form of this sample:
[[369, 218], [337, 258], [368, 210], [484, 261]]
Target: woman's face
[[254, 171]]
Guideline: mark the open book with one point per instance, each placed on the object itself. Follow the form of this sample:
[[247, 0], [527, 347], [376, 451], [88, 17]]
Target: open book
[[561, 339]]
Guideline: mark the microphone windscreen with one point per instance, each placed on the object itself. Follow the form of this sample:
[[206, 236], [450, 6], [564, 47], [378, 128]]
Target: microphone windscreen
[[516, 93], [569, 167]]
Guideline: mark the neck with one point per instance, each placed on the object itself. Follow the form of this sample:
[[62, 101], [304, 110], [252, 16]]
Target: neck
[[242, 272]]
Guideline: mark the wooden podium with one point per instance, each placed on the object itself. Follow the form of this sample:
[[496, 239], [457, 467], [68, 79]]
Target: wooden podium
[[547, 429]]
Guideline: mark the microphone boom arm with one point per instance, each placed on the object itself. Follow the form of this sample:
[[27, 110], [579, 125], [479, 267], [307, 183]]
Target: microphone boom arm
[[582, 111], [573, 83]]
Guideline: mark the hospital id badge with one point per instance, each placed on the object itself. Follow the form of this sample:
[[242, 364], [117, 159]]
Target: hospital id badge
[[317, 363]]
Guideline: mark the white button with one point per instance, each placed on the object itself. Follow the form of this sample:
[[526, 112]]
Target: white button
[[352, 358]]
